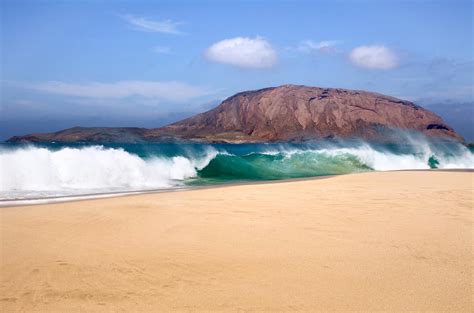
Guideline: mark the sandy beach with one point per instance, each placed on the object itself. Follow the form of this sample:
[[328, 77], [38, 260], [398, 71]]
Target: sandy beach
[[391, 241]]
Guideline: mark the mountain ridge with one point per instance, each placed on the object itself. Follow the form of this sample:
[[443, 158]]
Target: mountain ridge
[[283, 113]]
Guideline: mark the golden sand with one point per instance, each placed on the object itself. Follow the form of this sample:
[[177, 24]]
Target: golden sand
[[396, 241]]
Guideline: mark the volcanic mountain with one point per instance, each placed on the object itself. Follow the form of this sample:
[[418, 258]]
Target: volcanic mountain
[[284, 113]]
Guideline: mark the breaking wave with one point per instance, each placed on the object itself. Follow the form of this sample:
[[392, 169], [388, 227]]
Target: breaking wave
[[37, 171]]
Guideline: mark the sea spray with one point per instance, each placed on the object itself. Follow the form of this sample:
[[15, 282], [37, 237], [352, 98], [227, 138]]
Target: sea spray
[[41, 170]]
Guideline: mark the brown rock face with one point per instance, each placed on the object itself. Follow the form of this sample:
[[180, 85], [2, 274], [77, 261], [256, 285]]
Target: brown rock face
[[285, 113], [87, 134], [292, 113]]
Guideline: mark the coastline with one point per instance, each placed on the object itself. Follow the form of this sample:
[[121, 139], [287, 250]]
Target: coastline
[[91, 196], [97, 196], [377, 241]]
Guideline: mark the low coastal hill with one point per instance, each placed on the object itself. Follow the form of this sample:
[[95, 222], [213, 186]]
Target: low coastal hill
[[284, 113]]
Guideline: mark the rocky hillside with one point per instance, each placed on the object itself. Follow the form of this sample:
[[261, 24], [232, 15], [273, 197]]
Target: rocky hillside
[[289, 113], [285, 113], [87, 134]]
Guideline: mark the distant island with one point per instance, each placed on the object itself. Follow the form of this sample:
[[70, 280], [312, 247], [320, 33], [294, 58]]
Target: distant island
[[284, 113]]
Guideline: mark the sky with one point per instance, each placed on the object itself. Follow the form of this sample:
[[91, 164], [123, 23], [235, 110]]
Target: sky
[[148, 63]]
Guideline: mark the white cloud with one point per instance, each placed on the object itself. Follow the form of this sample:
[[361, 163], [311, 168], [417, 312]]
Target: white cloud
[[309, 46], [147, 25], [161, 90], [243, 52], [162, 50], [374, 57]]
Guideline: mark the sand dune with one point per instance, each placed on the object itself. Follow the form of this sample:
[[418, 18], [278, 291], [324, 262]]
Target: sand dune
[[395, 241]]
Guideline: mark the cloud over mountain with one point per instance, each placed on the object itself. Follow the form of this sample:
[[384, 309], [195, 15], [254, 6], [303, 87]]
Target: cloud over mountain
[[243, 52], [375, 57], [165, 90]]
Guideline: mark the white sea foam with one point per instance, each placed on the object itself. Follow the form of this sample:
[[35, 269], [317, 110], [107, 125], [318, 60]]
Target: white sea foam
[[39, 172], [34, 172], [448, 154]]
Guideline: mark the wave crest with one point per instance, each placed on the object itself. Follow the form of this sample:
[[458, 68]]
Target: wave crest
[[39, 172], [35, 171]]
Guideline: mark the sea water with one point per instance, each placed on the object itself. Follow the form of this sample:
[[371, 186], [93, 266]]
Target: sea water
[[42, 170]]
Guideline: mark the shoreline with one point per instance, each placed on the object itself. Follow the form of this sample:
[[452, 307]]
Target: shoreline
[[10, 203], [106, 195]]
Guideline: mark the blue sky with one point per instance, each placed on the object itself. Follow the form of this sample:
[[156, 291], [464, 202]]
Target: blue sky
[[133, 63]]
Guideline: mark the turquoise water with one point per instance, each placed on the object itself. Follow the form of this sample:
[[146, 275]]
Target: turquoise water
[[55, 169]]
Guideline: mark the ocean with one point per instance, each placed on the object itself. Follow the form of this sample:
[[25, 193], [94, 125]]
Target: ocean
[[44, 170]]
